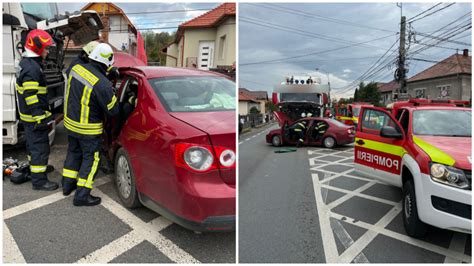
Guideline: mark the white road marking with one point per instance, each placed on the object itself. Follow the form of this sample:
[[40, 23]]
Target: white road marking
[[114, 249], [358, 194], [11, 251], [41, 202], [329, 243], [149, 231], [346, 240], [349, 254], [407, 239], [458, 242]]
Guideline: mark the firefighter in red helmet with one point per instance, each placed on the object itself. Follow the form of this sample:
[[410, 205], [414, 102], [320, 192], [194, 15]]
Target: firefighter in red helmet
[[33, 107]]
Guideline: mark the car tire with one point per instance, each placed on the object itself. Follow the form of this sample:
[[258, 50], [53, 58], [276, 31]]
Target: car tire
[[125, 180], [276, 141], [329, 142], [413, 225]]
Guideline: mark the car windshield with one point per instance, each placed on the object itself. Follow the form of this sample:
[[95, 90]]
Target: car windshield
[[456, 123], [40, 10], [195, 94], [338, 123], [299, 97]]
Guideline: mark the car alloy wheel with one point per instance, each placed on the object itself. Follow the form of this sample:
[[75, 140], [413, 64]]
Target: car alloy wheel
[[124, 177], [329, 142], [276, 141]]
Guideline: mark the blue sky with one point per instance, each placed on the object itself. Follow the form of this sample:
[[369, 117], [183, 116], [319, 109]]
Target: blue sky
[[294, 29]]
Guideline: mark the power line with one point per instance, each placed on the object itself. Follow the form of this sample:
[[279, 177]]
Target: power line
[[297, 31], [166, 11], [427, 15], [437, 38], [309, 54], [425, 11], [302, 13]]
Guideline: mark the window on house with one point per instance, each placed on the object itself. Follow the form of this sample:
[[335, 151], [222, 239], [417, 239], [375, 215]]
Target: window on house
[[444, 90], [222, 44], [420, 93]]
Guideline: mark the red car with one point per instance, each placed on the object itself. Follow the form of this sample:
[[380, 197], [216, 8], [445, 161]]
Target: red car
[[173, 145], [319, 131]]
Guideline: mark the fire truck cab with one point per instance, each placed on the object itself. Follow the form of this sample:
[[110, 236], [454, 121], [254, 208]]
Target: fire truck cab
[[349, 113], [424, 147]]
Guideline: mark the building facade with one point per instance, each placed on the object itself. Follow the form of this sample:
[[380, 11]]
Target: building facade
[[448, 79], [205, 42]]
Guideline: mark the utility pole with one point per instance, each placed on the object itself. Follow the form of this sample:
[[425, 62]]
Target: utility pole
[[400, 74]]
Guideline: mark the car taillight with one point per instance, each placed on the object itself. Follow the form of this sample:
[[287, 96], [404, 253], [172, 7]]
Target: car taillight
[[200, 158], [226, 156]]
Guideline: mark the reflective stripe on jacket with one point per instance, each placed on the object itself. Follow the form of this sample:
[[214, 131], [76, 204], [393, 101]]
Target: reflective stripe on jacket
[[88, 96], [32, 93]]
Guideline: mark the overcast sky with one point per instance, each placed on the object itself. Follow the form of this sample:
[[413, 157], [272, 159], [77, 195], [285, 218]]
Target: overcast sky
[[298, 29], [152, 20]]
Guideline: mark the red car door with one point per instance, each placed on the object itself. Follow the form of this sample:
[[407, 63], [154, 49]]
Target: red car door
[[378, 150]]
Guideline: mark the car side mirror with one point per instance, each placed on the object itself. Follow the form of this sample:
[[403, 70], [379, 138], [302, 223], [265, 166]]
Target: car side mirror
[[390, 132]]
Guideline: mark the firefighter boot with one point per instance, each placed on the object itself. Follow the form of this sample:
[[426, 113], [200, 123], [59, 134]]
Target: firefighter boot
[[69, 185], [47, 186], [84, 198]]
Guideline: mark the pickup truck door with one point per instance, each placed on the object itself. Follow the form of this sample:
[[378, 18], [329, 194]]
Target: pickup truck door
[[377, 156]]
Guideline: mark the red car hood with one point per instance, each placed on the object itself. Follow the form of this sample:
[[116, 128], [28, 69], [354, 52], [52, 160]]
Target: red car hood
[[459, 148]]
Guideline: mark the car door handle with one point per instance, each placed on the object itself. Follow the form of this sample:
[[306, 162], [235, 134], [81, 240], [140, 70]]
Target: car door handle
[[360, 142]]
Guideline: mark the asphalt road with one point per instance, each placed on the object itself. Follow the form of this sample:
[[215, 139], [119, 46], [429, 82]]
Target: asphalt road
[[44, 227], [310, 206]]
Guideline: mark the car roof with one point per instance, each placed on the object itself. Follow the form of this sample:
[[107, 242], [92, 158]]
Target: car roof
[[160, 72], [436, 107]]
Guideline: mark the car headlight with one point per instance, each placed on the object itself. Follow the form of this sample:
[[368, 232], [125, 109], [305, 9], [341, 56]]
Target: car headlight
[[448, 175], [198, 158]]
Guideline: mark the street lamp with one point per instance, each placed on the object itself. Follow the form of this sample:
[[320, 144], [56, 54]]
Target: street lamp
[[329, 84]]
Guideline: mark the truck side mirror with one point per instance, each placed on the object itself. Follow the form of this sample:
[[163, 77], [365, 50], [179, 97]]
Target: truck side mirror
[[390, 132]]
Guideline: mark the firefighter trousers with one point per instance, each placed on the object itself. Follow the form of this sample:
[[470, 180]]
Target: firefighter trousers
[[37, 149], [81, 165]]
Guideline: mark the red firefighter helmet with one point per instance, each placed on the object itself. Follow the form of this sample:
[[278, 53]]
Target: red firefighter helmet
[[38, 40]]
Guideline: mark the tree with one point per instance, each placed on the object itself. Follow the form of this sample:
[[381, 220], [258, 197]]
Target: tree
[[368, 93], [356, 98], [254, 110], [270, 106], [154, 42]]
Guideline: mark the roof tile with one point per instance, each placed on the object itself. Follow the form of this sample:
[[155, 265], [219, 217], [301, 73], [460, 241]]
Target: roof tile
[[455, 64]]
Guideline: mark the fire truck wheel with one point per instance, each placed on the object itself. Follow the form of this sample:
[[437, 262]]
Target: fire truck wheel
[[329, 142], [413, 225], [276, 141]]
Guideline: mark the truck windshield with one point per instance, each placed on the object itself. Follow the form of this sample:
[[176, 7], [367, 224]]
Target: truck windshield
[[355, 111], [40, 10], [299, 97], [456, 123], [195, 94]]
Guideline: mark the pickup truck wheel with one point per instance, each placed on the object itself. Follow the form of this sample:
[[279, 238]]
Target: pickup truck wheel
[[276, 140], [413, 225], [329, 142], [125, 180]]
